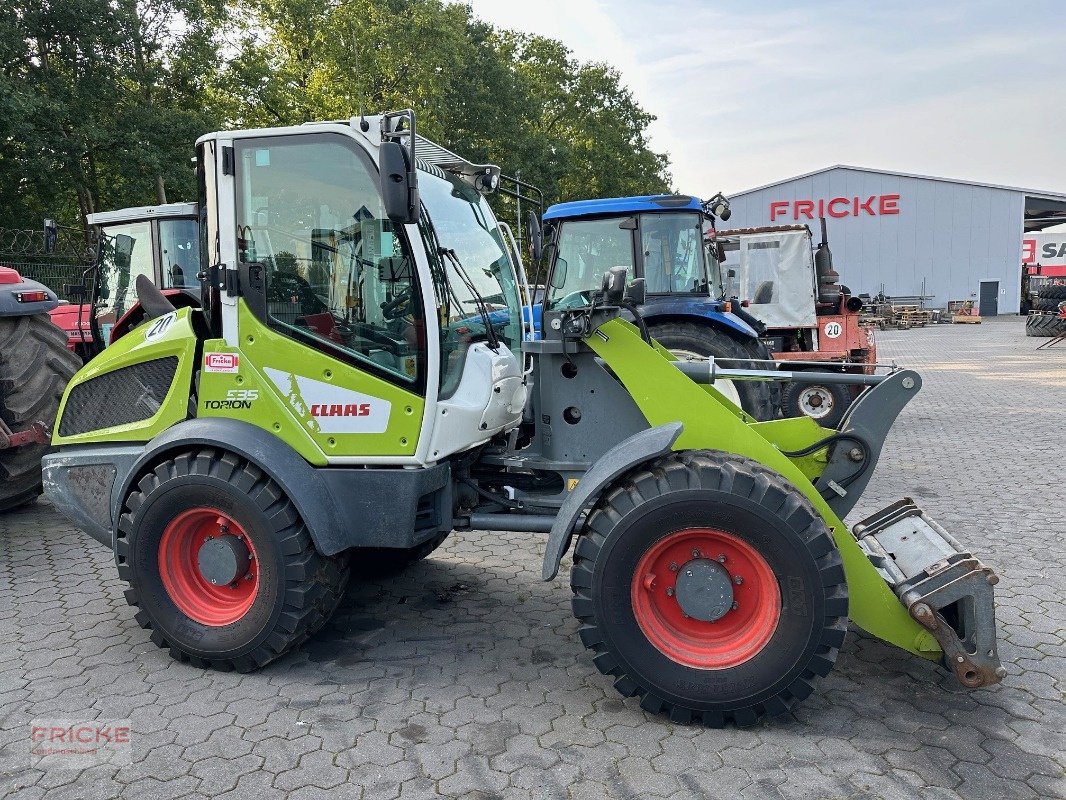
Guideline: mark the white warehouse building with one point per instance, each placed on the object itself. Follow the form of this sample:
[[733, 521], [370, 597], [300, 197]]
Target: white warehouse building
[[911, 235]]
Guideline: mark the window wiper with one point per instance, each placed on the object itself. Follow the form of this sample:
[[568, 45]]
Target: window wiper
[[483, 309]]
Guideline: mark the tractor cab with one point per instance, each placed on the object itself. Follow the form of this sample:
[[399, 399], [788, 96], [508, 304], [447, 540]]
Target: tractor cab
[[159, 242], [664, 241]]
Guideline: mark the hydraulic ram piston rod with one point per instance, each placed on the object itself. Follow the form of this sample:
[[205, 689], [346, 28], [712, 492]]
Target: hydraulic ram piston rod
[[709, 372]]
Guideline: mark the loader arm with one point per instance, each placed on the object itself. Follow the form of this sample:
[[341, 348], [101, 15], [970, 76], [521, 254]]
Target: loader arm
[[665, 395]]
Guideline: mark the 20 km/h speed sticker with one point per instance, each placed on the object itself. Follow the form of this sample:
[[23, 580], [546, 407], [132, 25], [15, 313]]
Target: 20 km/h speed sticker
[[833, 330]]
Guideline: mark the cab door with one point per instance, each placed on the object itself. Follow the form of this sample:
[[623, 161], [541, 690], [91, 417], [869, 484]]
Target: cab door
[[331, 325]]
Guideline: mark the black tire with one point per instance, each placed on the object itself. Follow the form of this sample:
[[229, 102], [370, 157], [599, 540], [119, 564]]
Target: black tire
[[299, 588], [1053, 291], [710, 489], [804, 399], [703, 340], [758, 350], [1044, 325], [390, 560], [1047, 304], [35, 367]]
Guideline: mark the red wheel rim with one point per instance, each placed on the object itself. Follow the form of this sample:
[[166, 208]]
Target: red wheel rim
[[179, 568], [739, 634]]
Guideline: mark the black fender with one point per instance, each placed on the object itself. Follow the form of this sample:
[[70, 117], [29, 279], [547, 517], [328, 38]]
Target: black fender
[[628, 453], [308, 492]]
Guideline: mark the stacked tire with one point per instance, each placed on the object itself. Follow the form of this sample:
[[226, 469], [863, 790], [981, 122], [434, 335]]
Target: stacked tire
[[1045, 320]]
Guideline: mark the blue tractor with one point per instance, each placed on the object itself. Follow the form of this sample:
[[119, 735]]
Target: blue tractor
[[662, 240]]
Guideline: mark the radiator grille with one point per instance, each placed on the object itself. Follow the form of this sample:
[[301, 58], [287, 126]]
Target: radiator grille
[[129, 394]]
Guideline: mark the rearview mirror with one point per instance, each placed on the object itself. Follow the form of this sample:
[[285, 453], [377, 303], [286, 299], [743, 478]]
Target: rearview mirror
[[534, 236], [399, 187], [558, 276]]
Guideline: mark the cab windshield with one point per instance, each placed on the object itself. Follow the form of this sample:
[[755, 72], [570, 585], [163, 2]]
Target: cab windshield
[[462, 222]]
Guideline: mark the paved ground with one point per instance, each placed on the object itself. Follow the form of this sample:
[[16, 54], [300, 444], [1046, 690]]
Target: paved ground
[[465, 676]]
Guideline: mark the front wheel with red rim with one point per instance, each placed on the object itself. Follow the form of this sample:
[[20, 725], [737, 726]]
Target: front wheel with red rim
[[710, 587], [221, 567]]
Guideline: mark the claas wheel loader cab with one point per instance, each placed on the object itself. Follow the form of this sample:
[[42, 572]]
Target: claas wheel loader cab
[[332, 402]]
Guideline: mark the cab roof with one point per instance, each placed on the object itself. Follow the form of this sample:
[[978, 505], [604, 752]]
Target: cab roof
[[623, 205]]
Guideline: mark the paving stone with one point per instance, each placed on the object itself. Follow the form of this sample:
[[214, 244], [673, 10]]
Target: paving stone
[[463, 676]]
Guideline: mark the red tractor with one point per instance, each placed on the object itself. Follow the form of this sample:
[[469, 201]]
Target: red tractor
[[35, 366], [811, 321]]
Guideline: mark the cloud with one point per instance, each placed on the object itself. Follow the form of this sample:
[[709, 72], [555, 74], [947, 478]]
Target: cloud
[[746, 95]]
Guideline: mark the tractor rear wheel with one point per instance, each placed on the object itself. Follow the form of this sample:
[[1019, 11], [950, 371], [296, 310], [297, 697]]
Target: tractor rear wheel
[[688, 340], [35, 366], [825, 403], [220, 565], [710, 587]]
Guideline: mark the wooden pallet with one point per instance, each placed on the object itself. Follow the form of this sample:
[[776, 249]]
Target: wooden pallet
[[971, 319]]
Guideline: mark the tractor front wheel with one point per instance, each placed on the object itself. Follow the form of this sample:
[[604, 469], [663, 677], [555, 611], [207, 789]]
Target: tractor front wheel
[[710, 587], [689, 340], [220, 565]]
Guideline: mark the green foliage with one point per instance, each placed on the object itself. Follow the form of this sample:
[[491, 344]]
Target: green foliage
[[104, 98]]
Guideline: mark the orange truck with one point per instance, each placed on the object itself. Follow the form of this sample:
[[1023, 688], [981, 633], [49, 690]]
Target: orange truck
[[811, 320]]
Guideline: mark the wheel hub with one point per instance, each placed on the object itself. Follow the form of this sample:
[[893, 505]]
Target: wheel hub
[[705, 598], [223, 559], [208, 566], [704, 590], [816, 402]]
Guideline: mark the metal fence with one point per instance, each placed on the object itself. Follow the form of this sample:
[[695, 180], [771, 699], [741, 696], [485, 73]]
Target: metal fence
[[59, 264]]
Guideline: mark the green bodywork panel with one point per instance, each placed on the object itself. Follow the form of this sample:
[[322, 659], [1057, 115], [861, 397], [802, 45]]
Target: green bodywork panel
[[322, 407], [666, 395], [169, 335]]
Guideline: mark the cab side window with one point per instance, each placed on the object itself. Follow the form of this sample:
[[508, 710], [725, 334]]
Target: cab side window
[[338, 275]]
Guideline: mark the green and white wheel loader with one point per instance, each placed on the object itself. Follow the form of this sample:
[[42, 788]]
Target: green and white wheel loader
[[358, 382]]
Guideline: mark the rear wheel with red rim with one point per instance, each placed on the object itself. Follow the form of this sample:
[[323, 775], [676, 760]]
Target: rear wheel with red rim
[[221, 567], [710, 587]]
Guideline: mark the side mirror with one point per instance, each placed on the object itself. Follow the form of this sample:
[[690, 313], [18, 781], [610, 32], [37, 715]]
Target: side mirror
[[558, 276], [534, 235], [637, 292], [399, 187], [614, 284], [123, 251]]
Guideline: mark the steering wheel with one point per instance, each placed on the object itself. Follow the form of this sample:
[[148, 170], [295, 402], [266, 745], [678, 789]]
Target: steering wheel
[[397, 306]]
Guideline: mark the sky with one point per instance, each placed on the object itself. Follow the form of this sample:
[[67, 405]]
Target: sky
[[750, 93]]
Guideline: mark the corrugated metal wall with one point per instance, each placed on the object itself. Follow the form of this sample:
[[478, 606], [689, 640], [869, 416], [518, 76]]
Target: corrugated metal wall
[[949, 235]]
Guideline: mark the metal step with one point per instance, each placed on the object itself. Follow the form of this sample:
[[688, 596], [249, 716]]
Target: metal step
[[943, 586]]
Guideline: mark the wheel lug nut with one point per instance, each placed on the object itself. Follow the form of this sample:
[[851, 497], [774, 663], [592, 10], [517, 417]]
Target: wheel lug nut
[[695, 553], [738, 580], [673, 566], [721, 558], [736, 605], [669, 591]]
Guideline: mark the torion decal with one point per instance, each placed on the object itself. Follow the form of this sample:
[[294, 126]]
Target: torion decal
[[236, 399], [326, 408], [221, 362], [158, 328]]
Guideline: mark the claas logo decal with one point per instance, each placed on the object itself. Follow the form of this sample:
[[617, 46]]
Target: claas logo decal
[[339, 410]]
